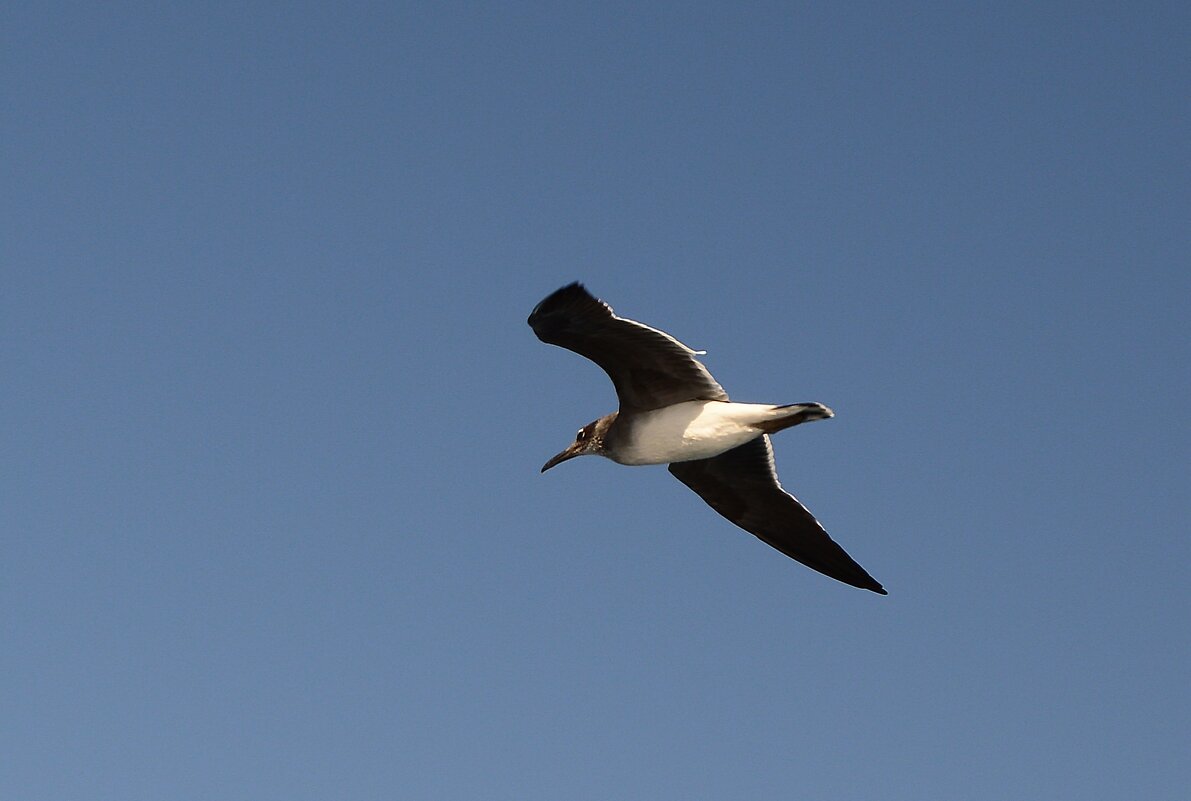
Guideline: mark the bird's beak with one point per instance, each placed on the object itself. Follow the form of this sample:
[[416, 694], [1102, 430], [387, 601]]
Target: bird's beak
[[573, 450]]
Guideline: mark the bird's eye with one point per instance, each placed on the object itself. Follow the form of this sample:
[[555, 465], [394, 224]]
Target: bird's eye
[[582, 435]]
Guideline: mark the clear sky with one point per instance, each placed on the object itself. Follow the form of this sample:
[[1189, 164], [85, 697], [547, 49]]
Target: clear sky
[[271, 422]]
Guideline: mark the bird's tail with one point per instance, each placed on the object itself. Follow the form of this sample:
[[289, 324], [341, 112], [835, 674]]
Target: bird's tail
[[792, 414]]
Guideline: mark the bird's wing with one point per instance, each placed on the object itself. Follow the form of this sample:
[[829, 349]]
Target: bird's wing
[[741, 484], [649, 368]]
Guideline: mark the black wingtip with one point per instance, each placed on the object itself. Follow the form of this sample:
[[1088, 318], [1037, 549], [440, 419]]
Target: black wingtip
[[560, 297], [558, 309]]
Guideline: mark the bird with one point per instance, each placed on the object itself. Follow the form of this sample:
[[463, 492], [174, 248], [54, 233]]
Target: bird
[[673, 412]]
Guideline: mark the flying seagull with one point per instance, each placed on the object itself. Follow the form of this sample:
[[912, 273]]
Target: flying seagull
[[673, 412]]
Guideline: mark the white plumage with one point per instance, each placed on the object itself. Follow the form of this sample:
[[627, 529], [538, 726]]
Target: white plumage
[[696, 430]]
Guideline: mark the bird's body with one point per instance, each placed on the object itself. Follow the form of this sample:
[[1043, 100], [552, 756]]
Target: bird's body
[[683, 432], [673, 412]]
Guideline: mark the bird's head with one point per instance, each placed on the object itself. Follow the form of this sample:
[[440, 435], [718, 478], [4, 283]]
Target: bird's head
[[589, 440]]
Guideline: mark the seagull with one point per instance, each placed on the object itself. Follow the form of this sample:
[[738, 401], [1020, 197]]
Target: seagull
[[673, 412]]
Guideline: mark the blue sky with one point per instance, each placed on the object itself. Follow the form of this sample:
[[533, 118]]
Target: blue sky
[[272, 521]]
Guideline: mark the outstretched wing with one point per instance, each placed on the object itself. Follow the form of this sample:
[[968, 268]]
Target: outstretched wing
[[649, 368], [741, 484]]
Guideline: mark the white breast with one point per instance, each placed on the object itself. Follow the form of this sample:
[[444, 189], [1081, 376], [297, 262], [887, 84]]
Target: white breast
[[691, 430]]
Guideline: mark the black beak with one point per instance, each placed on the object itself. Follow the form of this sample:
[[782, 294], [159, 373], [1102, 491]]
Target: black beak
[[573, 450]]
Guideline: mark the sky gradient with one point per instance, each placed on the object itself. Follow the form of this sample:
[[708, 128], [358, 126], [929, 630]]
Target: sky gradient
[[272, 522]]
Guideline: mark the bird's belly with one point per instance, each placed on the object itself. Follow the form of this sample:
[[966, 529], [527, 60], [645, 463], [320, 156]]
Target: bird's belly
[[688, 431]]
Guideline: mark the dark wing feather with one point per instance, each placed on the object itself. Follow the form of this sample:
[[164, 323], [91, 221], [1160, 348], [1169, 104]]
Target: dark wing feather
[[649, 368], [741, 484]]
